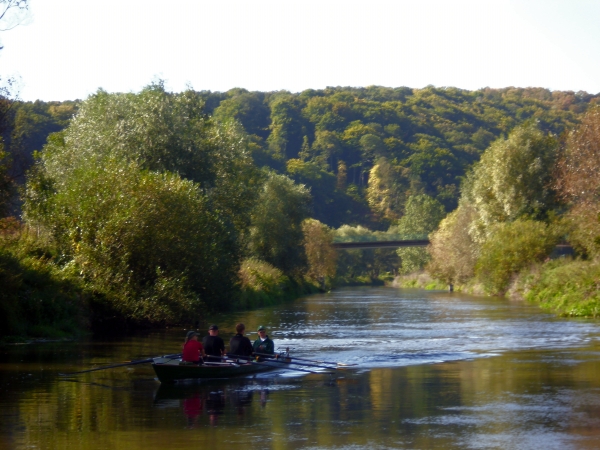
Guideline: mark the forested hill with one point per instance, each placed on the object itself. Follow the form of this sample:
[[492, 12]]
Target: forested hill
[[362, 151]]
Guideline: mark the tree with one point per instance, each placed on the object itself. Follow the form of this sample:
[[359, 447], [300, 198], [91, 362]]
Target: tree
[[320, 254], [511, 247], [422, 216], [513, 179], [12, 13], [147, 197], [387, 190], [578, 182], [453, 251], [161, 132], [148, 242], [276, 228]]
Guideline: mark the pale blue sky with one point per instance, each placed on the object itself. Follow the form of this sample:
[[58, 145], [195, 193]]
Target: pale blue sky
[[70, 48]]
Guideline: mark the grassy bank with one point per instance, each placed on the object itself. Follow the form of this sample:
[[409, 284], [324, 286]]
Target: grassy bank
[[419, 280], [42, 298], [564, 286]]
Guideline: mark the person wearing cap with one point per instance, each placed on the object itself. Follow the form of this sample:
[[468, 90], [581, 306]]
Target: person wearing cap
[[263, 345], [213, 344], [240, 345], [193, 351]]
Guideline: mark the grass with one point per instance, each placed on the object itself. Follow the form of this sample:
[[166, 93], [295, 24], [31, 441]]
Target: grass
[[565, 286]]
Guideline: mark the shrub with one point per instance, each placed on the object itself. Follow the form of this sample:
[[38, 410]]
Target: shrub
[[510, 248], [569, 287]]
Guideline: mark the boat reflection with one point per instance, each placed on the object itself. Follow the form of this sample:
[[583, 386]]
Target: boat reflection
[[214, 398]]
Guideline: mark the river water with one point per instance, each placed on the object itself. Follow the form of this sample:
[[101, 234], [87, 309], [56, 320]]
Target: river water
[[429, 370]]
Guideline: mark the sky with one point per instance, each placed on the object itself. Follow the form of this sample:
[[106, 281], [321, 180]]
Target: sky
[[68, 49]]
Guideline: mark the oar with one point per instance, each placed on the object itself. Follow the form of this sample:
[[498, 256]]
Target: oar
[[280, 361], [246, 358], [311, 360], [266, 363], [112, 366]]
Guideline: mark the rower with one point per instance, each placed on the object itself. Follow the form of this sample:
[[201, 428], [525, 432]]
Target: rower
[[193, 351], [240, 345], [213, 344], [263, 345]]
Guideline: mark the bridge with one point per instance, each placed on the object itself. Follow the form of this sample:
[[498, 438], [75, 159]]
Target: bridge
[[382, 244], [380, 240]]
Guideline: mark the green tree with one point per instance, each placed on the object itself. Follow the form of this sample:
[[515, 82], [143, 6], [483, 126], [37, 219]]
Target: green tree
[[287, 127], [513, 179], [422, 216], [148, 242], [147, 197], [276, 228], [511, 247]]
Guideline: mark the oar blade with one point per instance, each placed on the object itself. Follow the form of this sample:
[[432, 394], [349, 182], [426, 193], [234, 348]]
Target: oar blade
[[113, 366]]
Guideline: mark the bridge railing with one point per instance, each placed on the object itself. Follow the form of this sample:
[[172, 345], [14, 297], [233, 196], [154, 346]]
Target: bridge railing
[[379, 237]]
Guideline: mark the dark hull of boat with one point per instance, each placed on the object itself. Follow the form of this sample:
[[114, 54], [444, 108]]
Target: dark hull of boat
[[172, 372]]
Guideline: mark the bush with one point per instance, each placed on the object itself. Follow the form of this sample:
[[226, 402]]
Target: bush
[[510, 248], [38, 298], [262, 284], [568, 287]]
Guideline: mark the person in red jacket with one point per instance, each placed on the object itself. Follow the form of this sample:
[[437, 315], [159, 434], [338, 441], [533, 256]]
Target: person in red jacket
[[193, 351]]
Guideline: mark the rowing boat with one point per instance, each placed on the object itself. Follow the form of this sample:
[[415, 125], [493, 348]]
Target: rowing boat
[[169, 370]]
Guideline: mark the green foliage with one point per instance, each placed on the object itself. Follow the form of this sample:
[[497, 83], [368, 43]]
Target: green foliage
[[329, 202], [146, 196], [510, 248], [264, 285], [431, 135], [513, 179], [568, 287], [149, 241], [38, 298], [422, 216], [257, 275], [6, 184], [364, 266], [276, 228]]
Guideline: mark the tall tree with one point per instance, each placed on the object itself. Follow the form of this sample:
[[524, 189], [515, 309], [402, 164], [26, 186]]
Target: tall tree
[[12, 13], [276, 229], [513, 179], [147, 191], [579, 182]]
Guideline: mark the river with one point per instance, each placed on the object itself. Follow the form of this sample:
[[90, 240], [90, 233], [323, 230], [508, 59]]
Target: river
[[428, 370]]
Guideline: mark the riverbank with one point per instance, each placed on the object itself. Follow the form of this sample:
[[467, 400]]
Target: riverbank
[[44, 300], [563, 286]]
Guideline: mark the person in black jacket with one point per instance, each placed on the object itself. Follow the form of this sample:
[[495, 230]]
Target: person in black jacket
[[240, 345], [213, 344]]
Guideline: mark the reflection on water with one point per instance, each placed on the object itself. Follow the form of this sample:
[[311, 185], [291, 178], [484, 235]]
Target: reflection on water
[[435, 371]]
